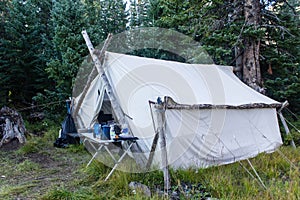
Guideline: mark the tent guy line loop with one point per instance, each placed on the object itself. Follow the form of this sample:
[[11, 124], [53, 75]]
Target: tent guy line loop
[[126, 115]]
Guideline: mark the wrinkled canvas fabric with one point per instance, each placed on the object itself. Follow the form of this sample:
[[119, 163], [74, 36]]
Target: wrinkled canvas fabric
[[195, 137]]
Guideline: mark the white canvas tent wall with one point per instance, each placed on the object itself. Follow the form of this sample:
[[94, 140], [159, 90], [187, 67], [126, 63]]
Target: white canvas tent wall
[[216, 118]]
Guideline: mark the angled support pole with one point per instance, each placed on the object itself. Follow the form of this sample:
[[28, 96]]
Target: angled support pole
[[155, 139], [286, 128], [97, 68], [98, 62], [152, 151]]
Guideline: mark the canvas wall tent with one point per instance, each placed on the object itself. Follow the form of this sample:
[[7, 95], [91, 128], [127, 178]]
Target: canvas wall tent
[[211, 117]]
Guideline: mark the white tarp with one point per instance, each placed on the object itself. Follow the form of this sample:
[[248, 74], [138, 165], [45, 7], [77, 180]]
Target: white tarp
[[214, 137], [200, 137]]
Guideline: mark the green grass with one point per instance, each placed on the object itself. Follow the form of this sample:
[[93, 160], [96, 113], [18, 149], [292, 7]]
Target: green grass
[[7, 191], [63, 193], [222, 182], [65, 175], [27, 166]]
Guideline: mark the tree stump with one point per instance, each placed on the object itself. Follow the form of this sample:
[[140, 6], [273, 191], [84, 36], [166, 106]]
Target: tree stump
[[11, 126]]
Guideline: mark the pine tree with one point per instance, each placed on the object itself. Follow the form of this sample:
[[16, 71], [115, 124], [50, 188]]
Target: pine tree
[[113, 16], [281, 52], [68, 20], [172, 14], [93, 17], [22, 51], [3, 74], [139, 13], [229, 34]]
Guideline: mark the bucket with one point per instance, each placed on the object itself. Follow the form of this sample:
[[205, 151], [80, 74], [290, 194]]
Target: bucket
[[105, 132]]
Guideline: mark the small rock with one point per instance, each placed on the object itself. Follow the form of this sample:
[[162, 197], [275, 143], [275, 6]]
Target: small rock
[[3, 176], [136, 186]]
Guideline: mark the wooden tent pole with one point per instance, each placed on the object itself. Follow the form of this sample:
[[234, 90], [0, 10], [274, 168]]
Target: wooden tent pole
[[98, 60], [286, 128], [163, 146], [152, 151], [97, 67], [154, 142]]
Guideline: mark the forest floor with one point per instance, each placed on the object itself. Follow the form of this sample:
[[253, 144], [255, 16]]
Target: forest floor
[[38, 170], [29, 173]]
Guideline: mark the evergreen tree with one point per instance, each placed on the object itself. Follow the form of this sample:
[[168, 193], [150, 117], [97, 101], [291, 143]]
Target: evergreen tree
[[171, 14], [22, 50], [281, 52], [93, 17], [139, 16], [224, 29], [113, 16], [3, 75], [68, 20]]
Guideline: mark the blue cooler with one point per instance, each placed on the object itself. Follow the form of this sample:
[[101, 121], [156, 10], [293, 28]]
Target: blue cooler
[[105, 132]]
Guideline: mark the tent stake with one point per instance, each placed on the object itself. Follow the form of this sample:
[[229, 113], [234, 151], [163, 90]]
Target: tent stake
[[286, 128]]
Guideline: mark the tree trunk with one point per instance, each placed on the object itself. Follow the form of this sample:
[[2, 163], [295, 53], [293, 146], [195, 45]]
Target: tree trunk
[[11, 126], [234, 16], [251, 66]]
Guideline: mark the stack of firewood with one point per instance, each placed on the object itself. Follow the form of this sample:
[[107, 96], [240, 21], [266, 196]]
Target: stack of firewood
[[11, 126]]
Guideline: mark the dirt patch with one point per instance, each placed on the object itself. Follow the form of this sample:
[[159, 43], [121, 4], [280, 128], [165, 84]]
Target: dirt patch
[[43, 160], [13, 145], [32, 175]]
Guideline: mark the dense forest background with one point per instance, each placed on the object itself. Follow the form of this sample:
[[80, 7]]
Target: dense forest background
[[41, 46]]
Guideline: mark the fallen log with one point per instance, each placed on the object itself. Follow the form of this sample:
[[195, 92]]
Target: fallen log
[[11, 126]]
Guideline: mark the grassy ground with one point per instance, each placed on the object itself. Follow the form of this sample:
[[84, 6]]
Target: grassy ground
[[37, 170]]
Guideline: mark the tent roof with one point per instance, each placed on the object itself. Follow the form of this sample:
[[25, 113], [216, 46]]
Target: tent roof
[[146, 78]]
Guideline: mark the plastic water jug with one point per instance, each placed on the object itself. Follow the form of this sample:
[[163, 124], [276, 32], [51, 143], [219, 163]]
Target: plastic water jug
[[105, 132], [97, 130], [112, 132]]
